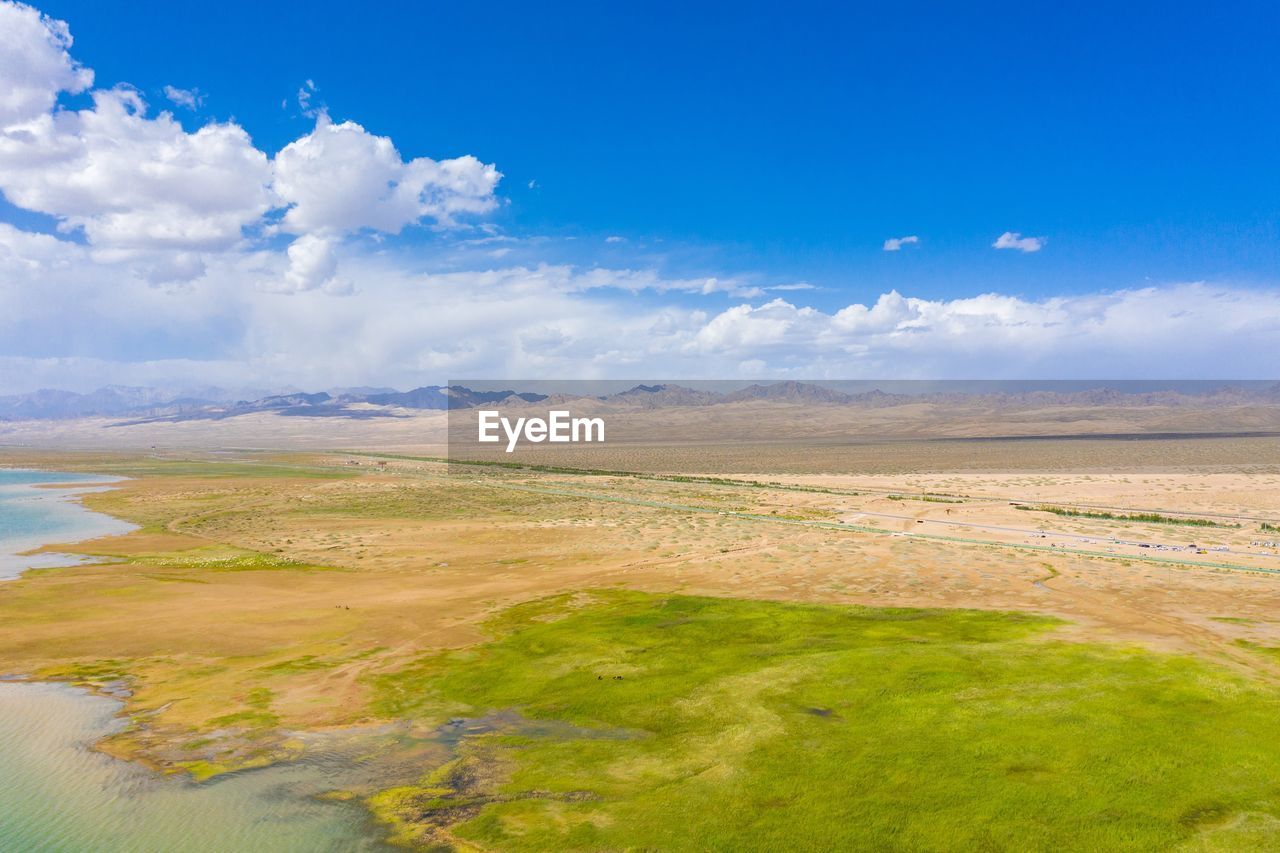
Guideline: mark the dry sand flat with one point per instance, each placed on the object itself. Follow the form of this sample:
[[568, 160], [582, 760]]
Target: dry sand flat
[[1249, 492], [772, 460]]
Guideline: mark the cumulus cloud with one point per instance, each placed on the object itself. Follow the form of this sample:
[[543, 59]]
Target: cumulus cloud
[[145, 192], [341, 178], [34, 64], [895, 244], [135, 185], [312, 263], [889, 313], [132, 182], [1185, 330], [747, 330], [1014, 240]]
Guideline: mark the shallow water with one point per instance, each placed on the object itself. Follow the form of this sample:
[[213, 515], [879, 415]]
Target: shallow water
[[31, 517], [57, 794]]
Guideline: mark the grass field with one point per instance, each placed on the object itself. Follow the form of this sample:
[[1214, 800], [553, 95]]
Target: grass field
[[751, 725]]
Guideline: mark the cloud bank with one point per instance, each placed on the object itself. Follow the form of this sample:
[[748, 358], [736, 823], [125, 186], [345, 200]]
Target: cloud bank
[[70, 322]]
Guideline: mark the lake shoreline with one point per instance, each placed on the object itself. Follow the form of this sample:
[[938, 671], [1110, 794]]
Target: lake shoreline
[[66, 495], [58, 790], [63, 779], [52, 503]]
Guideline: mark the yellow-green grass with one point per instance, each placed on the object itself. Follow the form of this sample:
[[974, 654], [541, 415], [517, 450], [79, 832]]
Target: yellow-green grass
[[1270, 651], [718, 724]]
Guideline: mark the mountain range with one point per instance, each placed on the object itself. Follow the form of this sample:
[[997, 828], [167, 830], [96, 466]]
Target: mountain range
[[136, 404]]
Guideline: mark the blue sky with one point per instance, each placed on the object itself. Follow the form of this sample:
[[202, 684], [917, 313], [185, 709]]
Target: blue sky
[[1136, 143], [1140, 138]]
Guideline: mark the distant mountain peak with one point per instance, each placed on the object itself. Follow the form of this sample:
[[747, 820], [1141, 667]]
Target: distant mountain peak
[[657, 396], [790, 391]]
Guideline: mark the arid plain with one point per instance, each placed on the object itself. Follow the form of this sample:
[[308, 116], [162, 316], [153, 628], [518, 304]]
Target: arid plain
[[1031, 602]]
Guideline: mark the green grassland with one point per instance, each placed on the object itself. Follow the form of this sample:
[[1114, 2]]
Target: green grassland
[[671, 722]]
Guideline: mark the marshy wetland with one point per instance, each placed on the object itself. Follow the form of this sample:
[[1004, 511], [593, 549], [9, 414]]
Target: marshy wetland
[[486, 658]]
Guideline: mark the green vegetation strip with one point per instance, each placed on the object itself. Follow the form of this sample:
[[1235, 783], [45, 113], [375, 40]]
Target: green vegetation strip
[[1143, 517], [927, 498], [764, 726]]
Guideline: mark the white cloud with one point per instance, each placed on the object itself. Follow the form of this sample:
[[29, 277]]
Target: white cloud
[[1014, 240], [747, 330], [637, 280], [34, 64], [165, 267], [1185, 330], [133, 182], [139, 187], [187, 98], [312, 263], [342, 178], [148, 194], [68, 320], [894, 244], [614, 238], [891, 312], [23, 250]]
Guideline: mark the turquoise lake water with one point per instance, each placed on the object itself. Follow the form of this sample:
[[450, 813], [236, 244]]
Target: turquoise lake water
[[30, 517], [59, 795]]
